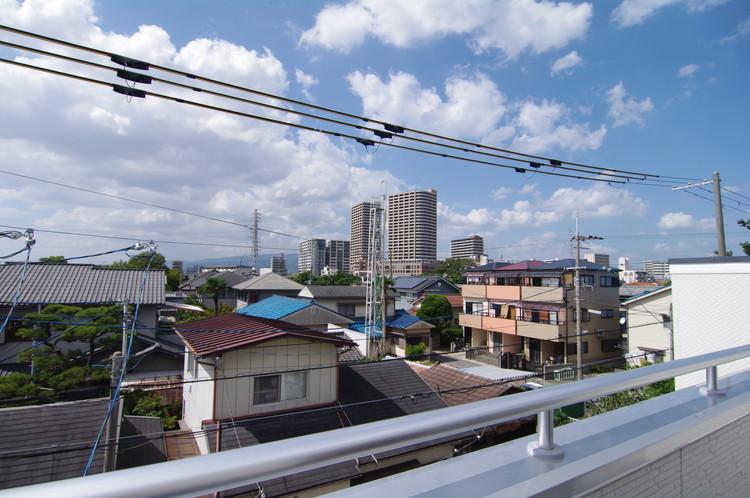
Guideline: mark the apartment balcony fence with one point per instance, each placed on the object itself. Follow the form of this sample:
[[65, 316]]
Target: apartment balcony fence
[[692, 442]]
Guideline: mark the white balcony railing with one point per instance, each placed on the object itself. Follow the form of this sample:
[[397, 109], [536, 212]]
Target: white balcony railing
[[246, 466]]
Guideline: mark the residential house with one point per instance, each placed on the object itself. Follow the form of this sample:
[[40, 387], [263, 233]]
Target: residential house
[[264, 286], [299, 311], [50, 442], [231, 277], [527, 309], [455, 300], [709, 301], [409, 289], [349, 300], [266, 380], [649, 326], [87, 285], [630, 290]]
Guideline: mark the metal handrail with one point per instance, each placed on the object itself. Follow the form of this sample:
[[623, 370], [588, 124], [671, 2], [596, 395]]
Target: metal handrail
[[250, 465]]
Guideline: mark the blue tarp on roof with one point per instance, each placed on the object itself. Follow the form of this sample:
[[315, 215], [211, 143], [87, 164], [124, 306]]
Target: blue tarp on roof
[[401, 320], [275, 307]]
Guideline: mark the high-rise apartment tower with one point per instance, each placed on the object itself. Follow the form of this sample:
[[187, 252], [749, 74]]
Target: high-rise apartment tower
[[412, 231]]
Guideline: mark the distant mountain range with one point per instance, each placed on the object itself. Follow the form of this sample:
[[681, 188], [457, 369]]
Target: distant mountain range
[[264, 261]]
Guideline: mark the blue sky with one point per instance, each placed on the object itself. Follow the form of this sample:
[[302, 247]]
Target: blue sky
[[637, 84]]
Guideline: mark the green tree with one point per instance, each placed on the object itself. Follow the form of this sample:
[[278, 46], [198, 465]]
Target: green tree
[[302, 277], [454, 269], [53, 259], [338, 278], [436, 309], [174, 278], [745, 245], [213, 288], [140, 261]]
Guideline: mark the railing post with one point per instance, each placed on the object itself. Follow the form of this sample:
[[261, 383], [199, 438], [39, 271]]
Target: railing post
[[712, 383], [544, 447]]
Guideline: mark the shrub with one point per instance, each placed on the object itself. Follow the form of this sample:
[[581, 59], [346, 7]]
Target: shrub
[[415, 349]]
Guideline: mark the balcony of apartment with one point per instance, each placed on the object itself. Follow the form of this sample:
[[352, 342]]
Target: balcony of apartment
[[541, 294], [691, 442], [543, 330], [474, 290], [497, 324], [470, 320]]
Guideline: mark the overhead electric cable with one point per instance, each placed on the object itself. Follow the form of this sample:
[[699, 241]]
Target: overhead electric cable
[[149, 79], [389, 127], [132, 92], [19, 285]]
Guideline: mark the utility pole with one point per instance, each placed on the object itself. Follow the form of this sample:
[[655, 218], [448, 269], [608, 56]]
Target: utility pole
[[721, 249], [722, 246], [577, 283]]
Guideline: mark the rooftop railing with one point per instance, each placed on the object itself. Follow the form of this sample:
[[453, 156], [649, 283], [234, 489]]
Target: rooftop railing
[[250, 465]]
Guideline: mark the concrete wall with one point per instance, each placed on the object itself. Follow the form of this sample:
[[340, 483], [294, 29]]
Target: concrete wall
[[709, 303], [234, 397], [716, 465]]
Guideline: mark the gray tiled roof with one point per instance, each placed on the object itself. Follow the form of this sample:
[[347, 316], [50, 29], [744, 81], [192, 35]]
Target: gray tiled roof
[[55, 283], [35, 427], [339, 291], [269, 282]]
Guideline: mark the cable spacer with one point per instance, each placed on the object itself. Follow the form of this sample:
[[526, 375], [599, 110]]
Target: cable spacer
[[131, 76], [128, 62], [130, 92]]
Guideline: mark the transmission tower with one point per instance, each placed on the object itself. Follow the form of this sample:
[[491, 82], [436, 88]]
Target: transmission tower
[[375, 304], [255, 240]]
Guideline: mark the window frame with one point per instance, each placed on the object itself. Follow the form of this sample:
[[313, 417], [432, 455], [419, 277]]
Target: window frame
[[281, 389]]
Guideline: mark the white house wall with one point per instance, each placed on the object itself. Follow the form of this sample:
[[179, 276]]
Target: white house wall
[[234, 397], [197, 397], [710, 302], [645, 326]]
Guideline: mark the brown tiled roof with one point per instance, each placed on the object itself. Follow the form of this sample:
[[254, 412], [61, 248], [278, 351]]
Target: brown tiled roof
[[441, 378], [456, 300], [232, 331]]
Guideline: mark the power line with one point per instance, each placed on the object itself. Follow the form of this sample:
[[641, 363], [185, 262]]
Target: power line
[[148, 79], [711, 200], [19, 284], [143, 93], [393, 129], [725, 189]]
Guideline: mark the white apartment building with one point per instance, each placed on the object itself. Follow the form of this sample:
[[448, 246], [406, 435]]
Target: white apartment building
[[359, 234], [412, 230], [623, 263], [649, 326], [312, 256], [471, 247], [657, 269]]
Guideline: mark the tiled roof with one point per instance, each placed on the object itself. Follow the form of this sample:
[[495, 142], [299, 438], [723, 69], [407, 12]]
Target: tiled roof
[[229, 277], [350, 354], [360, 383], [442, 378], [269, 282], [404, 320], [231, 331], [334, 291], [275, 307], [44, 425], [408, 282], [57, 283], [365, 382], [456, 300]]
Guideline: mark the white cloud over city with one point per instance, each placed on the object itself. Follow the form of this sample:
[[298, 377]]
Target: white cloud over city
[[508, 26], [633, 12]]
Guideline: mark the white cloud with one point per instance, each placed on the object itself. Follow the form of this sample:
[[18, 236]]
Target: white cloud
[[632, 12], [678, 219], [688, 71], [304, 79], [597, 201], [501, 193], [742, 29], [565, 64], [547, 125], [473, 107], [163, 152], [625, 110], [510, 26], [527, 189]]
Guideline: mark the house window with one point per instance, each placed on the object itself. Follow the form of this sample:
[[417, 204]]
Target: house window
[[585, 315], [607, 281], [608, 313], [572, 347], [469, 308], [609, 345], [280, 387], [587, 280], [267, 389], [346, 309]]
